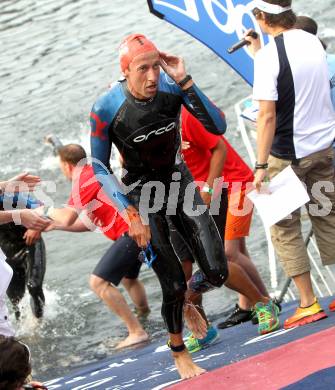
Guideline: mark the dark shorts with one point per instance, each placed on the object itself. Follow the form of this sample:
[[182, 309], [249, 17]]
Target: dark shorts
[[180, 247], [120, 261]]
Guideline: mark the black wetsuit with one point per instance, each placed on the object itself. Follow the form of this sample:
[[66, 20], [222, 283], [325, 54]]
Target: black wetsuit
[[28, 262], [147, 137]]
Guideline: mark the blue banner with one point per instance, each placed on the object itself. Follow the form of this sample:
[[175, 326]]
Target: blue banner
[[216, 23]]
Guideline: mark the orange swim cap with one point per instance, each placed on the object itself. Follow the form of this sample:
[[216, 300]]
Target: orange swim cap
[[132, 46]]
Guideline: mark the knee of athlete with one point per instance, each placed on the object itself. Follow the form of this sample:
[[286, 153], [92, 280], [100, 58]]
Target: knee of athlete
[[129, 283], [217, 277], [174, 293], [202, 283], [199, 283], [33, 289], [230, 254], [97, 285]]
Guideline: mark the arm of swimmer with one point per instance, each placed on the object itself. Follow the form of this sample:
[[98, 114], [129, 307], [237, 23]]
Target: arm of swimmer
[[100, 152], [204, 110], [266, 126], [195, 101]]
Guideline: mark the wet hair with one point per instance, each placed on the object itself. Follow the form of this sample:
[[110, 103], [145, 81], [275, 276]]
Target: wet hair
[[286, 19], [71, 153], [15, 364]]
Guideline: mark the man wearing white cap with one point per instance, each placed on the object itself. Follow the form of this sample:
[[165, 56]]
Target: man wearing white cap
[[296, 127]]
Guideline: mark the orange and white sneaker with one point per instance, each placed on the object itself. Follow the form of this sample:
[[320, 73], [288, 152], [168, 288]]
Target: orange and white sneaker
[[305, 315], [332, 306]]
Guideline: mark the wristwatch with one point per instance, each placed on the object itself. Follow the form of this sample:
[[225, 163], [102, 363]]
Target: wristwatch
[[185, 80], [261, 166]]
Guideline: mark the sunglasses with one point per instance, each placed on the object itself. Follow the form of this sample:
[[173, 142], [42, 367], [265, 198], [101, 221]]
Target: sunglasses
[[147, 256]]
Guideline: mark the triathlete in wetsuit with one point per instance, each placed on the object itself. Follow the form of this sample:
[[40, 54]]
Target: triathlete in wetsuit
[[140, 116]]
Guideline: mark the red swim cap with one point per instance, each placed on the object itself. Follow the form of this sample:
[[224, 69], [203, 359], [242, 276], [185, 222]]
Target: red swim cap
[[132, 46]]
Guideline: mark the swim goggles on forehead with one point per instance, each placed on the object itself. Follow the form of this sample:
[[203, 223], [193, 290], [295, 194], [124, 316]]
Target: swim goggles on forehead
[[268, 8], [147, 256]]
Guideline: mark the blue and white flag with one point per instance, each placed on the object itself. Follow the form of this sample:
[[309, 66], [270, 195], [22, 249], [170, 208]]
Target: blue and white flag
[[216, 23]]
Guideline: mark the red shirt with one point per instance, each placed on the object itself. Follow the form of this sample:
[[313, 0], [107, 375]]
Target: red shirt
[[88, 195], [198, 156]]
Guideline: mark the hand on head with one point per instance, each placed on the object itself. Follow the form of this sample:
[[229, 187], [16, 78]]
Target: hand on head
[[174, 66]]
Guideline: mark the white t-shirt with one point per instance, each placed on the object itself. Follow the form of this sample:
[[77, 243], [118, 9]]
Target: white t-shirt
[[292, 70], [6, 274]]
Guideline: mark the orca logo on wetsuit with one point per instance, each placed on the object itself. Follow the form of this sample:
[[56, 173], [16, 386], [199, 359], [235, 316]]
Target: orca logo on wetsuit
[[162, 130]]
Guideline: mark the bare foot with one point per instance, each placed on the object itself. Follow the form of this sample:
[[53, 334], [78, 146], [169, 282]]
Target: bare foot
[[194, 321], [132, 339], [185, 366]]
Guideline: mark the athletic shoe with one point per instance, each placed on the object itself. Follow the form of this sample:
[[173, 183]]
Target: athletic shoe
[[305, 315], [238, 316], [195, 345], [254, 319], [332, 306], [267, 314]]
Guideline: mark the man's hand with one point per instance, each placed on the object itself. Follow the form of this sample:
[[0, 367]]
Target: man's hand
[[206, 197], [261, 177], [15, 183], [140, 233], [30, 219], [255, 43], [137, 230], [173, 66], [31, 236]]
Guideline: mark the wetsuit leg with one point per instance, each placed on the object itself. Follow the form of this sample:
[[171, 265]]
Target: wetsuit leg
[[17, 286], [37, 267], [202, 236], [179, 245], [15, 249], [167, 268], [169, 272]]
